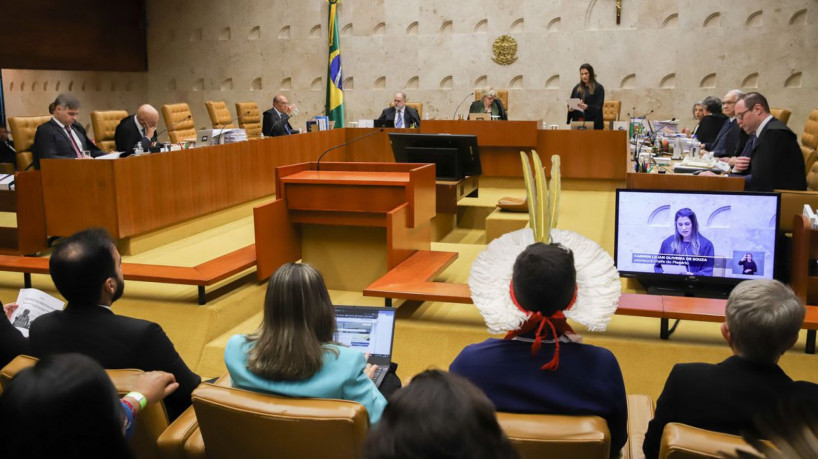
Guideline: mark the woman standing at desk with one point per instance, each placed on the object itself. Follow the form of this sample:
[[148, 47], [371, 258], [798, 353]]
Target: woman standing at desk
[[592, 96]]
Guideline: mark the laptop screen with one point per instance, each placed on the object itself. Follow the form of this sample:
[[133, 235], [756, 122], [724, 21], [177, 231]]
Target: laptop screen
[[369, 330]]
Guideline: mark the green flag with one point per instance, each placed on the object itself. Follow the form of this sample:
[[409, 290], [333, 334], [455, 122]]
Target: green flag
[[335, 93]]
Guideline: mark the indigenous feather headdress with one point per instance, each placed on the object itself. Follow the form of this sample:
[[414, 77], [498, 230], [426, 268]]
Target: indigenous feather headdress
[[598, 285]]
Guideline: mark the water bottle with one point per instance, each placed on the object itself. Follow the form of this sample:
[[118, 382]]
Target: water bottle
[[677, 147], [137, 151]]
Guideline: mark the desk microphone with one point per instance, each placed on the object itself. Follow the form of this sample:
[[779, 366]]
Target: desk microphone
[[318, 163], [461, 104], [173, 125], [221, 126]]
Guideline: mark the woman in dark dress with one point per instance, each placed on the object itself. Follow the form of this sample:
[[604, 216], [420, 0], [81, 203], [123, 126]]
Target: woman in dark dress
[[592, 95], [748, 265]]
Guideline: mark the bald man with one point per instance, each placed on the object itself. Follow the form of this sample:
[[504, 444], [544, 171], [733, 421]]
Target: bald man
[[137, 129]]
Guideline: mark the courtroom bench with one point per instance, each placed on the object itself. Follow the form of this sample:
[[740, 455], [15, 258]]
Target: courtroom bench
[[412, 280], [201, 275]]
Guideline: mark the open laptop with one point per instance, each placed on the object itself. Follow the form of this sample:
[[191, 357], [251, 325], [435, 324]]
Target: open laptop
[[369, 330], [480, 116], [383, 123]]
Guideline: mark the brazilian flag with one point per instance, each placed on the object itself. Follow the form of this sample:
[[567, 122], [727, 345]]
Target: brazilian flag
[[335, 93]]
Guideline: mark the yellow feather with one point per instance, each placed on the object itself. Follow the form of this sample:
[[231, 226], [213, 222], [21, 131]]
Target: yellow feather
[[543, 230], [555, 190], [530, 192]]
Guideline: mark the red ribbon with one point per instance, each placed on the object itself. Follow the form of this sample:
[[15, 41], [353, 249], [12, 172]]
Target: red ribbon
[[535, 318]]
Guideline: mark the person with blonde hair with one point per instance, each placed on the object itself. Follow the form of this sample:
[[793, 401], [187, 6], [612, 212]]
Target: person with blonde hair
[[762, 320], [293, 354], [489, 104]]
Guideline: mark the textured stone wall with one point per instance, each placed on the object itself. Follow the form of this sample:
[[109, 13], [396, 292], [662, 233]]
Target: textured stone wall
[[663, 56]]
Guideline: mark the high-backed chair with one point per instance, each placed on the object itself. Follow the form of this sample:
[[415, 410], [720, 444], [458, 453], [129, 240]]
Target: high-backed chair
[[781, 114], [149, 424], [23, 129], [812, 177], [680, 441], [105, 124], [179, 122], [502, 94], [550, 435], [416, 105], [233, 422], [610, 111], [249, 118], [219, 114]]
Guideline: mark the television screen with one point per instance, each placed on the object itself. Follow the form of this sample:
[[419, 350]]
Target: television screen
[[712, 237]]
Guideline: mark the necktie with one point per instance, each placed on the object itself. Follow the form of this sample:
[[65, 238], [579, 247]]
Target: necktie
[[399, 122], [73, 142], [748, 147]]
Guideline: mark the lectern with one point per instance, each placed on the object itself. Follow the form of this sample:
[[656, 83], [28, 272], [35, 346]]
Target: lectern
[[352, 221]]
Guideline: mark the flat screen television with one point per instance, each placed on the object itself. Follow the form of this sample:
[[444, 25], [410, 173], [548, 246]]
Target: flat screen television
[[695, 243], [454, 156]]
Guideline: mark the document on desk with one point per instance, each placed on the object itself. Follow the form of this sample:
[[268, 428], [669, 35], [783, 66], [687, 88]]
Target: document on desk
[[574, 103], [113, 155]]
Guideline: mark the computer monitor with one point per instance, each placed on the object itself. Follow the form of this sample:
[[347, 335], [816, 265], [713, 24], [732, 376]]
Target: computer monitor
[[454, 156], [695, 243]]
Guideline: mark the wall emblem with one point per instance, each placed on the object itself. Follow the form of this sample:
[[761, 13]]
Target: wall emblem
[[505, 50]]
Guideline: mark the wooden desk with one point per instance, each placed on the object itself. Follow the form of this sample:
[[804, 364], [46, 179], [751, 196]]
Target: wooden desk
[[683, 182], [26, 200]]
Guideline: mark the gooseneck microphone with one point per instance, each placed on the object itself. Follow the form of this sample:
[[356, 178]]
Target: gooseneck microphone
[[461, 104], [173, 125], [318, 163]]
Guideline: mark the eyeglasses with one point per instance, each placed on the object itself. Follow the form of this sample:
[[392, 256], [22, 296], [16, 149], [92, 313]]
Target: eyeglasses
[[740, 116], [728, 102]]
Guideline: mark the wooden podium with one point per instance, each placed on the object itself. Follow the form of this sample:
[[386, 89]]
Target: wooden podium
[[352, 221]]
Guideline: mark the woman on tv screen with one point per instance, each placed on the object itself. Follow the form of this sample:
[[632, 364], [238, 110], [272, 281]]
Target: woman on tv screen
[[748, 265], [686, 252]]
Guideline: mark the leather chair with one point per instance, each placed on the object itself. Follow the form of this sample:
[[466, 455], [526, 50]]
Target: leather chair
[[105, 124], [680, 441], [781, 114], [219, 114], [610, 111], [149, 424], [230, 422], [551, 435], [249, 118], [416, 105], [23, 129], [186, 127], [502, 94], [812, 177]]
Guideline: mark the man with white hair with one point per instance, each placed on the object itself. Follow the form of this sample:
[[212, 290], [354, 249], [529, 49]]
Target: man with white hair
[[139, 129], [731, 139], [400, 114], [762, 320]]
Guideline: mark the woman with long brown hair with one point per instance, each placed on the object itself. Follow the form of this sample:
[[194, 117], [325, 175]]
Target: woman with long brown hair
[[591, 95], [293, 354]]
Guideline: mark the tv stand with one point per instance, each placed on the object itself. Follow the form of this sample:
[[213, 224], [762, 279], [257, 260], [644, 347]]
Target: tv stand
[[670, 288]]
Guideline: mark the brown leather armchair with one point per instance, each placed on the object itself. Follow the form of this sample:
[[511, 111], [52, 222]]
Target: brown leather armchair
[[149, 424], [219, 114], [550, 435], [680, 441], [610, 111], [502, 94], [781, 114], [105, 124], [186, 127], [249, 118], [231, 422], [23, 129]]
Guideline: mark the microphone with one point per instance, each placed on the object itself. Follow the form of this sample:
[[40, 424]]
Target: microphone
[[461, 104], [318, 163], [221, 126], [173, 125]]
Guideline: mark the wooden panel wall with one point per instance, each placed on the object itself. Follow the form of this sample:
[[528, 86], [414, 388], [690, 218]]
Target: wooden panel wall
[[87, 35]]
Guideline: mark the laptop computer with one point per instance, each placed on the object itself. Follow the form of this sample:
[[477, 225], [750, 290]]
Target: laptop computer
[[369, 330], [384, 123], [480, 116]]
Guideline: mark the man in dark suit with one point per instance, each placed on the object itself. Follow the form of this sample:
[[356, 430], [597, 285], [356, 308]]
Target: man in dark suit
[[137, 129], [62, 137], [731, 139], [7, 152], [772, 158], [711, 124], [762, 320], [86, 269], [400, 114], [276, 120]]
